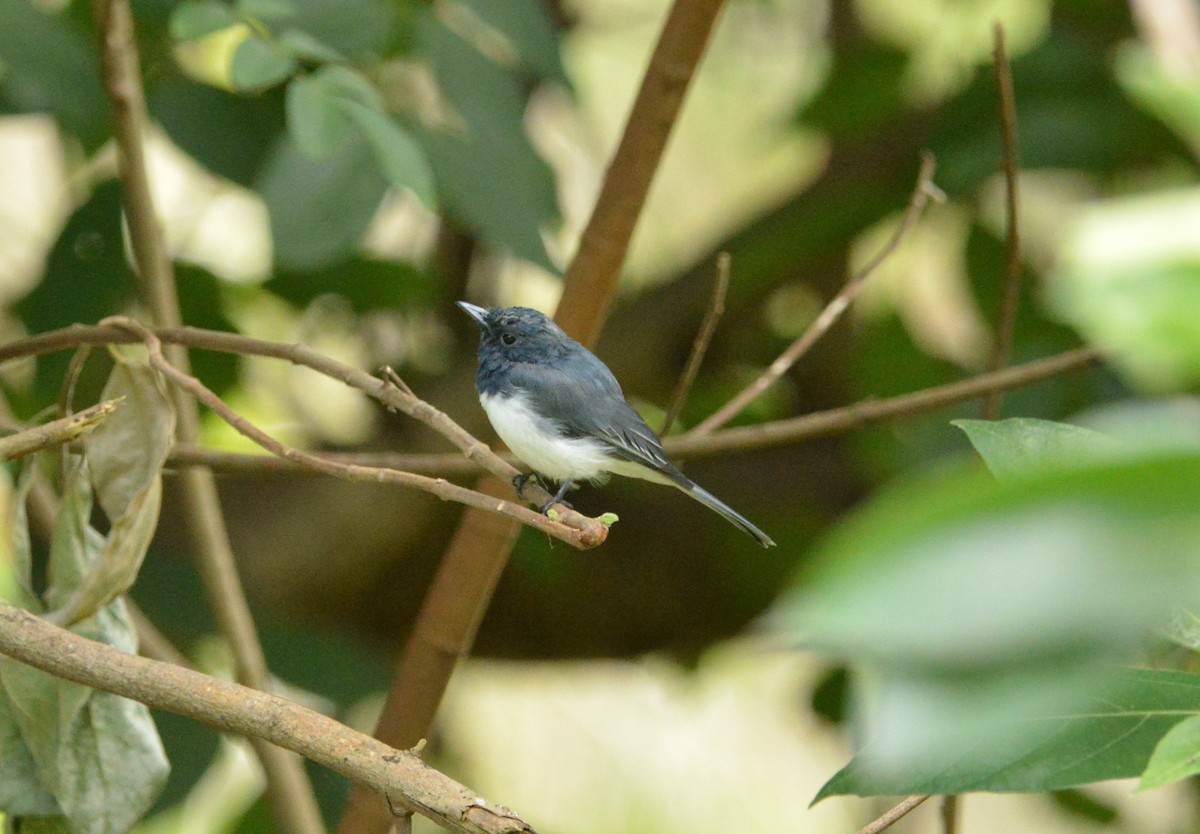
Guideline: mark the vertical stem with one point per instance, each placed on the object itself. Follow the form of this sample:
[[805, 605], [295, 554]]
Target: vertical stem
[[288, 789], [1007, 322], [479, 550]]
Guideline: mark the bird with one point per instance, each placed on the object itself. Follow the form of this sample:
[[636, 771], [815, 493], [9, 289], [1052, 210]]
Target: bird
[[559, 408]]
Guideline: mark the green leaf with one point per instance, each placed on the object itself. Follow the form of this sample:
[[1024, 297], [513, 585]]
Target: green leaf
[[1174, 100], [320, 210], [527, 25], [316, 120], [1184, 629], [306, 47], [229, 134], [488, 174], [399, 156], [974, 606], [97, 754], [1010, 447], [259, 64], [21, 791], [41, 53], [1137, 304], [125, 456], [1176, 756], [197, 18], [1109, 736], [267, 9]]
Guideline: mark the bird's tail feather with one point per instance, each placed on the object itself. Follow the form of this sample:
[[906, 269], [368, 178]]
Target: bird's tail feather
[[728, 513]]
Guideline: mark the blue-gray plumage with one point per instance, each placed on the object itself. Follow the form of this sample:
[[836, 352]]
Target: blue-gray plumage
[[562, 412]]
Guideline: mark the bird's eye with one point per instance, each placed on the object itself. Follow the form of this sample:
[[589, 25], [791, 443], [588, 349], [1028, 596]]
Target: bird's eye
[[508, 338]]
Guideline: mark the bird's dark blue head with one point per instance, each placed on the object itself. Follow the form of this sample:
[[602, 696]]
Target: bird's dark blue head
[[512, 337]]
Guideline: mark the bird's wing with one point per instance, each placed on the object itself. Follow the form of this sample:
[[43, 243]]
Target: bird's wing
[[588, 402]]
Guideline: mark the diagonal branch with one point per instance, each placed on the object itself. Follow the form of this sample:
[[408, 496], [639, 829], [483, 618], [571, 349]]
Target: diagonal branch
[[443, 489], [716, 309], [56, 432], [398, 775], [477, 554], [289, 792], [924, 191]]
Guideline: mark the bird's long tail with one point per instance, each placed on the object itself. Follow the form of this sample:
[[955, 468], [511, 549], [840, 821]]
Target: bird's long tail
[[725, 511]]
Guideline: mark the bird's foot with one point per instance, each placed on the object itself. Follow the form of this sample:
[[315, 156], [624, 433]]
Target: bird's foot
[[519, 482], [557, 499]]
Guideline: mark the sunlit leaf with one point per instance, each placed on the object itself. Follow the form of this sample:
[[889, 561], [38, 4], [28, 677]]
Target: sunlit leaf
[[1177, 755]]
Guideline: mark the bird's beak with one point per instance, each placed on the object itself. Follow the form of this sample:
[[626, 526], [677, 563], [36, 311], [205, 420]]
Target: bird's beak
[[474, 311]]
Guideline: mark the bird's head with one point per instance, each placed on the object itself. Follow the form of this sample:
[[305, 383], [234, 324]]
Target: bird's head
[[518, 334]]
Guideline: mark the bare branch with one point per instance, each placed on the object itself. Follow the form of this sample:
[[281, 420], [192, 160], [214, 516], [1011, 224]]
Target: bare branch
[[289, 792], [590, 537], [399, 775], [716, 309], [56, 432], [924, 191], [893, 816], [1011, 294]]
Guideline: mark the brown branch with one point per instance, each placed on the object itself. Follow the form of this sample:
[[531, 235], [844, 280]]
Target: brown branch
[[700, 347], [951, 805], [466, 578], [893, 816], [591, 280], [56, 432], [435, 486], [289, 792], [866, 412], [1006, 323], [243, 463], [392, 396], [399, 775], [682, 447], [924, 191], [765, 435]]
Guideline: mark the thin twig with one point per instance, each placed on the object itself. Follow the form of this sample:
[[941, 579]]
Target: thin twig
[[392, 396], [56, 432], [865, 412], [924, 191], [1006, 323], [399, 775], [435, 486], [893, 815], [716, 309], [951, 805], [765, 435], [290, 794]]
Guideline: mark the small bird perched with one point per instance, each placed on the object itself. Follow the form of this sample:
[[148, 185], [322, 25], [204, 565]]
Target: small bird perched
[[562, 412]]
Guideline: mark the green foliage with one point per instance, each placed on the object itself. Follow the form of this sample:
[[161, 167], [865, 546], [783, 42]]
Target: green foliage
[[1011, 447], [981, 610], [90, 758], [38, 52], [1109, 736]]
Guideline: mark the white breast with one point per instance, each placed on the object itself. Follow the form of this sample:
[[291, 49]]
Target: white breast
[[534, 441]]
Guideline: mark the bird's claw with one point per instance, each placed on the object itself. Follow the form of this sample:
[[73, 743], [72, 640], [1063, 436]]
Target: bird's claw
[[519, 481]]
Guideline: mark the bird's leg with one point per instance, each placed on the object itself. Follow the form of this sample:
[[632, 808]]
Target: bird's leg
[[557, 499], [523, 478]]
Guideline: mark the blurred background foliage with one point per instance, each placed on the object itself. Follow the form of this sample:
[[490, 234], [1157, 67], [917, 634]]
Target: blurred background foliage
[[339, 173]]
